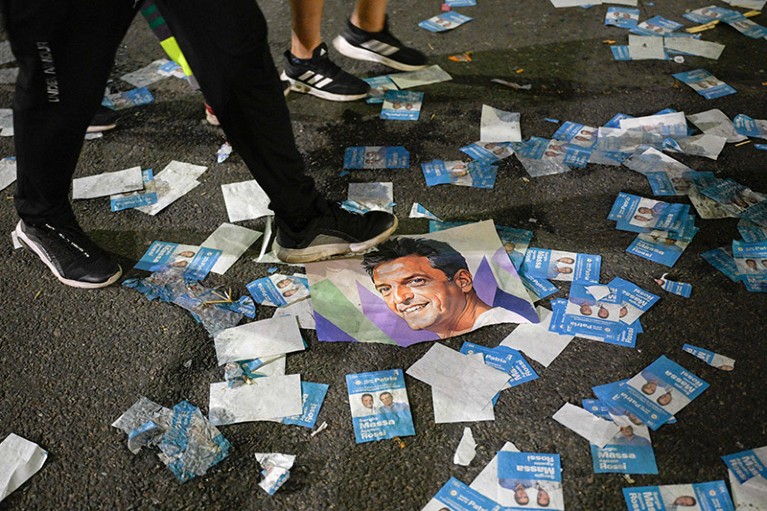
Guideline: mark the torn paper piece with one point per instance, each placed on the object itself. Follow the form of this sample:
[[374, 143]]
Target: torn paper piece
[[671, 124], [499, 126], [444, 22], [678, 288], [594, 429], [379, 405], [432, 74], [706, 145], [692, 46], [486, 481], [418, 211], [646, 48], [378, 87], [457, 496], [373, 196], [232, 240], [128, 99], [145, 197], [322, 427], [275, 469], [536, 341], [749, 496], [265, 398], [6, 55], [7, 172], [312, 399], [245, 200], [302, 310], [450, 410], [20, 459], [709, 495], [467, 449], [457, 375], [9, 76], [716, 122], [108, 183], [265, 338], [279, 290], [750, 127], [243, 372], [147, 75], [749, 466], [6, 119], [705, 84], [402, 105], [711, 358], [599, 292], [512, 85], [376, 157], [532, 476], [15, 241], [173, 182]]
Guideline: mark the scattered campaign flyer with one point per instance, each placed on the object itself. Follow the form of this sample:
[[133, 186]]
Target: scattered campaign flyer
[[666, 175], [733, 196], [375, 196], [751, 232], [585, 316], [629, 451], [658, 392], [710, 496], [489, 152], [756, 214], [378, 87], [516, 242], [721, 259], [541, 156], [195, 261], [657, 26], [750, 127], [623, 17], [577, 134], [529, 480], [457, 496], [128, 99], [278, 290], [379, 405], [461, 3], [499, 125], [634, 300], [711, 358], [682, 289], [749, 464], [538, 288], [375, 157], [418, 211], [639, 214], [444, 22], [659, 249], [313, 394], [145, 197], [705, 84], [476, 174], [504, 359], [402, 105], [716, 122], [751, 262], [107, 183], [557, 265]]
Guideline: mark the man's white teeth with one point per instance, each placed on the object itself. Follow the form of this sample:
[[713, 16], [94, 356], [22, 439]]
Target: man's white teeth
[[414, 308]]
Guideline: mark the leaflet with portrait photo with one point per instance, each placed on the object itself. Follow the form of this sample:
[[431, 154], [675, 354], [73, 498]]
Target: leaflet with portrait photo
[[622, 17], [584, 321], [656, 26], [457, 496], [537, 287], [550, 152], [577, 134], [489, 152], [504, 359], [751, 262], [705, 84], [476, 174], [628, 452], [376, 157], [529, 480], [721, 259], [278, 290], [145, 197], [444, 22], [658, 392], [128, 99], [711, 358], [379, 405], [751, 232], [665, 251], [196, 261], [565, 266], [378, 87], [710, 496], [733, 196], [749, 127], [639, 214], [666, 175], [635, 300], [749, 464], [313, 395], [402, 105]]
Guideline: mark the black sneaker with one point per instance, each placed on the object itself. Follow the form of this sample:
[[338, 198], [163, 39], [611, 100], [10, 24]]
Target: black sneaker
[[320, 77], [104, 120], [380, 47], [70, 254], [336, 232]]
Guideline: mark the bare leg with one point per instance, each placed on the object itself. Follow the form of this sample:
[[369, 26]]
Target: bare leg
[[369, 15], [305, 34]]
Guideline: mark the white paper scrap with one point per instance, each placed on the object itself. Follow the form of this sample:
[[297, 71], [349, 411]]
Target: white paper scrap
[[7, 172], [276, 469], [448, 410], [467, 449], [6, 55], [751, 495], [265, 398], [20, 459], [597, 292], [457, 375], [15, 241], [303, 310], [594, 429], [486, 481], [432, 74], [232, 240], [274, 336], [536, 341], [245, 200], [716, 122], [108, 183], [692, 46], [147, 75], [173, 182], [499, 126], [646, 48]]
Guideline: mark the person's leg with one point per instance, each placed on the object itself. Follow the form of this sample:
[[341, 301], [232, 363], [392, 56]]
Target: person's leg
[[308, 67], [369, 15]]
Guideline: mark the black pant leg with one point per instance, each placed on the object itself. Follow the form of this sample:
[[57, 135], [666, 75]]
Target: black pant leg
[[65, 49], [225, 42]]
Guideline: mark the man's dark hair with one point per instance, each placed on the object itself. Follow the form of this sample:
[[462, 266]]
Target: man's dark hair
[[441, 256], [368, 395]]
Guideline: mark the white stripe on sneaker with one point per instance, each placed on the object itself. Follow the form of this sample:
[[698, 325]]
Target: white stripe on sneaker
[[314, 79], [323, 83], [379, 47], [306, 75]]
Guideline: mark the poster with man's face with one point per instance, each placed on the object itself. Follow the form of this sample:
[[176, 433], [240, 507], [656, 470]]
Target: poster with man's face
[[419, 288]]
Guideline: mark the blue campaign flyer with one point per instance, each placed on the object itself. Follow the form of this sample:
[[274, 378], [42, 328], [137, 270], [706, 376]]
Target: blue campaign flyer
[[477, 174], [705, 84], [541, 288], [402, 105], [128, 99], [378, 87], [489, 152], [656, 26], [709, 357], [751, 261], [634, 300], [750, 127], [515, 242], [313, 394], [195, 261], [665, 251], [658, 392], [444, 22], [682, 289], [146, 197], [756, 214], [620, 52], [629, 452], [375, 157], [278, 290], [622, 17], [557, 265], [710, 496], [721, 259], [461, 3], [528, 477], [747, 464], [457, 496], [577, 134], [751, 232], [505, 359], [379, 405]]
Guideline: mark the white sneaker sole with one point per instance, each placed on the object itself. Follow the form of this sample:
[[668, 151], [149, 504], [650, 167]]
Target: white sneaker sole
[[101, 128], [297, 86], [30, 245], [355, 52], [322, 252]]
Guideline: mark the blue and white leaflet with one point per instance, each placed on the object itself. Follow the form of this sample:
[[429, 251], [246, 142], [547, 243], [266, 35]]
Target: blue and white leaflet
[[658, 392], [418, 211], [622, 17], [402, 105], [709, 496], [656, 26], [596, 321], [378, 87], [705, 84], [128, 99], [196, 261], [750, 127], [751, 232], [477, 174], [539, 288], [733, 196], [682, 289], [444, 22], [558, 265], [488, 152], [629, 452], [313, 394], [659, 249], [577, 134], [633, 298], [605, 392], [515, 242], [278, 290], [145, 197], [711, 358], [721, 259], [457, 496], [504, 359], [379, 405], [756, 214], [751, 261], [528, 477], [746, 465], [461, 3], [376, 157]]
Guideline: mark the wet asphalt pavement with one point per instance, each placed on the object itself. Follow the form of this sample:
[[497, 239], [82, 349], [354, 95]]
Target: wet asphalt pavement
[[72, 361]]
